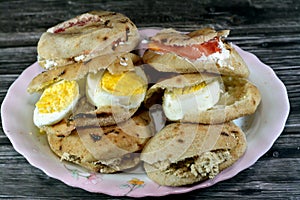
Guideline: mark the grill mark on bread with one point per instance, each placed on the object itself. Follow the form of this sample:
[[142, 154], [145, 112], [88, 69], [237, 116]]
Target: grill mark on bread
[[103, 114], [124, 21], [180, 141], [131, 23], [106, 22], [127, 30], [79, 128], [62, 73], [225, 134], [88, 115], [111, 131], [60, 136], [84, 115]]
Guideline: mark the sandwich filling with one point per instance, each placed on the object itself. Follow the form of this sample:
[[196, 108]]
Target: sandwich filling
[[202, 45], [109, 166], [56, 102], [205, 165], [178, 102], [213, 50], [193, 51], [126, 90]]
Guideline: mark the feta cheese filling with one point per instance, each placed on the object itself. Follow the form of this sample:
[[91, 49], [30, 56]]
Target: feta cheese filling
[[50, 63], [218, 57], [79, 58]]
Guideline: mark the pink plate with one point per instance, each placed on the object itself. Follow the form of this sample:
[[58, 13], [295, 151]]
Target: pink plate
[[261, 128]]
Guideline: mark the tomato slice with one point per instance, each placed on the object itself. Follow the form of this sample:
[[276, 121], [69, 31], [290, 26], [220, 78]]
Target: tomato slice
[[194, 51]]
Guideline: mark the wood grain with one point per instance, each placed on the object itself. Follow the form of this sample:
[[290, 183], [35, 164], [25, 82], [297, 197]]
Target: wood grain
[[268, 28]]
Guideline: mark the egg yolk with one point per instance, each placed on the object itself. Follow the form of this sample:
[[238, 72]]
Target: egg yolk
[[186, 90], [125, 84], [57, 97]]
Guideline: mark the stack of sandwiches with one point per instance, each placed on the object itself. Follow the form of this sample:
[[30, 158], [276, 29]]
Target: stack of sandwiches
[[200, 102], [96, 96], [91, 90]]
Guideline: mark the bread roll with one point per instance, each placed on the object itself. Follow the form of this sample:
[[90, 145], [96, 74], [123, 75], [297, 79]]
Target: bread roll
[[172, 52], [238, 97], [184, 153], [86, 36]]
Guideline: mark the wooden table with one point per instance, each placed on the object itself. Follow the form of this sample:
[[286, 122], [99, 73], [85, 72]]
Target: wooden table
[[270, 29]]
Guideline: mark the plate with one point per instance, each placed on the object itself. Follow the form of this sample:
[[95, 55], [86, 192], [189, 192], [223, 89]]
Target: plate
[[261, 128]]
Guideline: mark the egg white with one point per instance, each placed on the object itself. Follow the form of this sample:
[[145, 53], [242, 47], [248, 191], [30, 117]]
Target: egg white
[[100, 98], [177, 106], [43, 119]]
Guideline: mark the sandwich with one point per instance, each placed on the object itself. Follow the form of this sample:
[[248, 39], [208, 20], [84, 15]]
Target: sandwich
[[86, 36], [104, 149], [202, 50], [204, 98], [99, 92], [89, 112], [182, 153]]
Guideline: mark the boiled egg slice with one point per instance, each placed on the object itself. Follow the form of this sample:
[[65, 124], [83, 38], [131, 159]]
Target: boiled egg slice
[[55, 103], [126, 90], [178, 102]]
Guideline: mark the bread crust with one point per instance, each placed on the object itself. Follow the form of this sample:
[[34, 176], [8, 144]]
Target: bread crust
[[71, 149], [105, 149], [180, 141], [87, 36], [78, 71]]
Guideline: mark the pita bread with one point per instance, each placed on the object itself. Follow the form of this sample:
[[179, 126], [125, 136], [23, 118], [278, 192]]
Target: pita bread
[[178, 154], [240, 97], [85, 114], [172, 37], [60, 129], [78, 71], [86, 36], [234, 65], [105, 149], [72, 150]]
